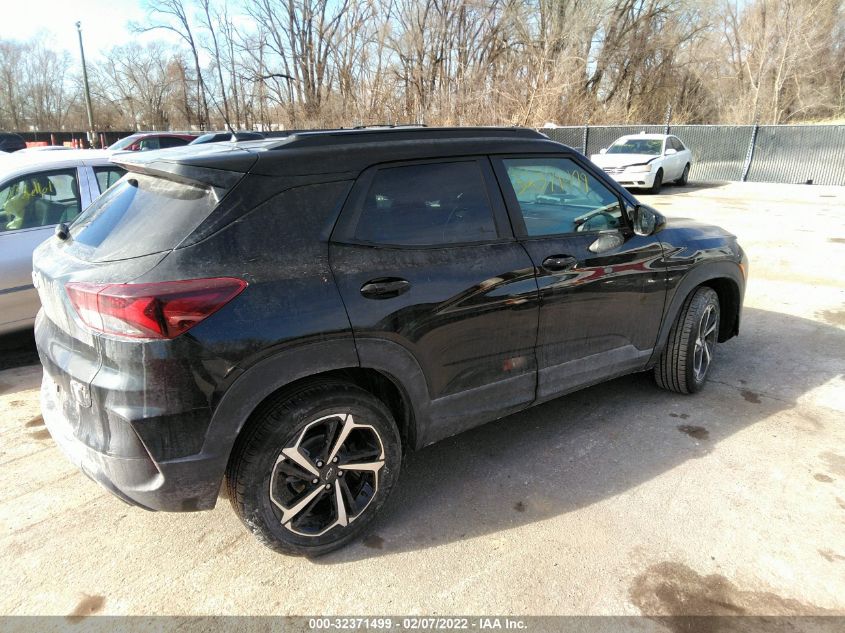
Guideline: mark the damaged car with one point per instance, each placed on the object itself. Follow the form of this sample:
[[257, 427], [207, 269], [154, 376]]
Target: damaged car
[[646, 161], [291, 317]]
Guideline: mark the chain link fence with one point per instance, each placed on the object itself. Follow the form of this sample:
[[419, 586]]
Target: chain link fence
[[765, 153]]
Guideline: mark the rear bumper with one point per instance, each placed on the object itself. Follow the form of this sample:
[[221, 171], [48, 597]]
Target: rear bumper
[[175, 486], [103, 439]]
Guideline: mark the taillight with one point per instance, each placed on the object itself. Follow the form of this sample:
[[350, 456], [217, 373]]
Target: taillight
[[152, 310]]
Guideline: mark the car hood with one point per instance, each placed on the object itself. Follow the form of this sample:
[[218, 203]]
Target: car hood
[[695, 229], [622, 160]]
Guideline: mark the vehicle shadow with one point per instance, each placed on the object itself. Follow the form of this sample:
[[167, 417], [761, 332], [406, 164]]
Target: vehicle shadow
[[671, 189], [598, 443], [18, 350]]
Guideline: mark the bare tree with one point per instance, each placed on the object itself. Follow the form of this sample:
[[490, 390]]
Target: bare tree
[[173, 16], [319, 63], [145, 80]]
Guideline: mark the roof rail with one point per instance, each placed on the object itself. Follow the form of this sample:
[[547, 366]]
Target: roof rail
[[384, 126], [318, 138]]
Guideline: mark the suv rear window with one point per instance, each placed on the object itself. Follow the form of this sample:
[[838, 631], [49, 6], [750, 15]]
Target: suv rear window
[[138, 216]]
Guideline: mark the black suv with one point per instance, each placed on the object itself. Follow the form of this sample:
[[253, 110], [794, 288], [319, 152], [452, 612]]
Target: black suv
[[294, 315]]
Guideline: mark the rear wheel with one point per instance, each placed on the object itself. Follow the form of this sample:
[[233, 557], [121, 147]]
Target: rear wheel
[[685, 362], [314, 467], [684, 176], [658, 182]]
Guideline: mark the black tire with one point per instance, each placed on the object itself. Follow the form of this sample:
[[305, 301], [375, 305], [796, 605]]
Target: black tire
[[658, 182], [684, 179], [677, 370], [308, 422]]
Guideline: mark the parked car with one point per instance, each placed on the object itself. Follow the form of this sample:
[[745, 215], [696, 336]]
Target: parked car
[[11, 142], [646, 160], [45, 148], [220, 137], [143, 141], [37, 192], [293, 316]]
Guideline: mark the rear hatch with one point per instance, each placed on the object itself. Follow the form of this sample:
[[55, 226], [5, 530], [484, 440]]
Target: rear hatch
[[124, 234]]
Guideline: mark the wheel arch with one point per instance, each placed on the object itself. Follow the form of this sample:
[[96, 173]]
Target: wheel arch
[[726, 279], [290, 370], [729, 302], [380, 385]]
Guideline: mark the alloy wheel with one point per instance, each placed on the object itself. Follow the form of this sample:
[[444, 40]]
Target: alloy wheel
[[327, 476], [705, 342]]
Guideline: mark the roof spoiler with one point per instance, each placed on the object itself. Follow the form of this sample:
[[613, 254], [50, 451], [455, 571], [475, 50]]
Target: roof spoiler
[[192, 168]]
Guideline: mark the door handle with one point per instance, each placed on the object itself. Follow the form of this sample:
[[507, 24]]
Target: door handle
[[557, 263], [385, 288]]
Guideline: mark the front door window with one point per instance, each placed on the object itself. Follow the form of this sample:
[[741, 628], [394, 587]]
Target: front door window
[[557, 197]]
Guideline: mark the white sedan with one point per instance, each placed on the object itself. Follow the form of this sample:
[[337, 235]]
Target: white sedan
[[646, 160]]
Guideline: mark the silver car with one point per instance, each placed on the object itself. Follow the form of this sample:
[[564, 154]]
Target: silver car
[[38, 191]]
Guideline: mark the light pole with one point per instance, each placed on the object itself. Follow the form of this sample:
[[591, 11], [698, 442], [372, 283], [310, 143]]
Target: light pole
[[91, 134]]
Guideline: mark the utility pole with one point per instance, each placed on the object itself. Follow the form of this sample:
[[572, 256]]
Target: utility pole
[[92, 136]]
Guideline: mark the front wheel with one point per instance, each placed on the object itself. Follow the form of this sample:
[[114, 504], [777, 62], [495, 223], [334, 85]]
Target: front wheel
[[685, 362], [658, 182], [314, 467]]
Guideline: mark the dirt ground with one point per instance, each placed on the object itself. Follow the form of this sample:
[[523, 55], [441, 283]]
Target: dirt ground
[[620, 499]]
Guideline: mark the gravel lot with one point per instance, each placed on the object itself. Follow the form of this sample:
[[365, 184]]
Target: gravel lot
[[620, 499]]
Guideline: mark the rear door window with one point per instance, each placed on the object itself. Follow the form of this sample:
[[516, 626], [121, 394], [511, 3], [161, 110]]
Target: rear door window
[[171, 141], [107, 176], [138, 216], [39, 199], [426, 205]]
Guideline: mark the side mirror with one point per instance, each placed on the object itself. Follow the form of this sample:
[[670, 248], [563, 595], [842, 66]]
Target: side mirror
[[62, 231], [603, 150], [646, 220], [671, 151], [607, 241]]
